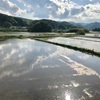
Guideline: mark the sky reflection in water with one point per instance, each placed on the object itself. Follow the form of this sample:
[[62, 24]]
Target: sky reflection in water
[[32, 69], [67, 96], [79, 43]]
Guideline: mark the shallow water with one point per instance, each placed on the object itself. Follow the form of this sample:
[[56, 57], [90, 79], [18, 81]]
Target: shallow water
[[32, 70], [87, 39], [96, 34], [78, 42]]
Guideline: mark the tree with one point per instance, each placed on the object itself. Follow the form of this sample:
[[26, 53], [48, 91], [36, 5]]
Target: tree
[[7, 24], [40, 27], [81, 32], [96, 29]]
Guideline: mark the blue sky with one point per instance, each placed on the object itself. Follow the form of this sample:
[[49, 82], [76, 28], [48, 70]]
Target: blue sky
[[60, 10]]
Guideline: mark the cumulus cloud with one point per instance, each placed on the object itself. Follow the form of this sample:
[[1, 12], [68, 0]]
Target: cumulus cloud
[[67, 10], [91, 12], [65, 5], [10, 8]]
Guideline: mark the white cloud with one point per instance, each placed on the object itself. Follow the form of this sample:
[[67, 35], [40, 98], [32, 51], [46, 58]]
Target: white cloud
[[10, 8], [67, 10], [64, 5], [51, 17], [28, 7], [91, 12], [49, 7], [20, 1]]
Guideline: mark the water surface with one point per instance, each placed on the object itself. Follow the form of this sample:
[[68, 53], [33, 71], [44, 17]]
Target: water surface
[[78, 42], [87, 39], [32, 70], [95, 35]]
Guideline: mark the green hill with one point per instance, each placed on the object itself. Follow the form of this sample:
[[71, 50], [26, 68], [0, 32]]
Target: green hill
[[92, 26], [55, 24], [8, 21]]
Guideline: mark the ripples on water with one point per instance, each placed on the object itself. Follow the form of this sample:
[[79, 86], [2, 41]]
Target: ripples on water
[[34, 70]]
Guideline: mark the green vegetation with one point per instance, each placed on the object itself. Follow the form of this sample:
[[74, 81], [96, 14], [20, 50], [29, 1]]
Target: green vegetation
[[13, 30], [21, 37], [8, 21], [80, 31], [44, 38], [91, 26], [73, 47], [7, 24], [88, 26], [96, 29], [56, 26], [40, 27], [2, 38]]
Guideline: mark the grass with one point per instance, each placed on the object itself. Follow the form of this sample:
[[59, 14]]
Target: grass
[[2, 38], [88, 51], [44, 39], [13, 30]]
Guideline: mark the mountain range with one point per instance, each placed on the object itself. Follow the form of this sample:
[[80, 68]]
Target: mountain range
[[8, 21], [92, 26], [89, 26]]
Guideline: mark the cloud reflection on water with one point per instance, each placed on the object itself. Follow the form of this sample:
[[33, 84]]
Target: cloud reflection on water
[[79, 43], [67, 96], [48, 68], [81, 69], [20, 57]]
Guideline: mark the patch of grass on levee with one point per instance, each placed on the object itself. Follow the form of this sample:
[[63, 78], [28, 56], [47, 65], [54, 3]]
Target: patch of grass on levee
[[2, 38], [35, 35], [44, 38], [88, 51], [13, 30]]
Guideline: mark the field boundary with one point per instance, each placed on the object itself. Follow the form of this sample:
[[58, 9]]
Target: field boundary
[[84, 50]]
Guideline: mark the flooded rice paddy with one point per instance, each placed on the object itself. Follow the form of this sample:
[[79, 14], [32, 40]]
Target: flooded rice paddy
[[96, 34], [91, 44], [32, 70], [87, 39]]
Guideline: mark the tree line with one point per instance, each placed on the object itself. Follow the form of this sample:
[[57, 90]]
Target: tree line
[[96, 29]]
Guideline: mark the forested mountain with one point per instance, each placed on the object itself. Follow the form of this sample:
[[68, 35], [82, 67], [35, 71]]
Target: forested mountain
[[8, 21], [92, 26], [55, 24], [80, 24], [76, 24]]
